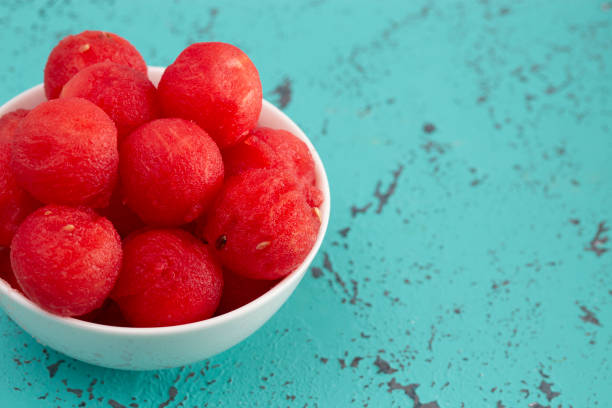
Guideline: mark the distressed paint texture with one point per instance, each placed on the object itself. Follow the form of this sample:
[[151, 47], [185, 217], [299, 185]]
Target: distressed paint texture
[[468, 148]]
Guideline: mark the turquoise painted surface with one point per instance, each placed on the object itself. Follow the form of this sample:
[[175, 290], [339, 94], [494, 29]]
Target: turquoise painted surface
[[476, 138]]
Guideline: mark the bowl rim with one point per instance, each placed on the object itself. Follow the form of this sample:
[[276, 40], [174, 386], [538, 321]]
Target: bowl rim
[[322, 183]]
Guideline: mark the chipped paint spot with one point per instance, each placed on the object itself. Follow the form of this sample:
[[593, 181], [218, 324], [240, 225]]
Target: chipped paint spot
[[283, 91], [172, 393], [115, 404], [589, 316], [54, 367], [344, 232], [410, 391], [383, 198], [383, 366], [355, 362], [595, 245], [546, 388], [75, 391], [360, 210], [429, 128]]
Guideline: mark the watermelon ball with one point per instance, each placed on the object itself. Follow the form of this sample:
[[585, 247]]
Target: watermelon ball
[[261, 225], [123, 218], [15, 203], [170, 171], [266, 148], [75, 52], [217, 86], [125, 94], [66, 259], [65, 152], [168, 278], [6, 272], [239, 291]]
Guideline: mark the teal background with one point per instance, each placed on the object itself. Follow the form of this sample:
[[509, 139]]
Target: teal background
[[488, 123]]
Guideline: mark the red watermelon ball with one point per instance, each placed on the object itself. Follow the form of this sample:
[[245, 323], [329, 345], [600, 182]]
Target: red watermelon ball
[[66, 259], [239, 291], [125, 94], [217, 86], [170, 171], [261, 225], [266, 148], [168, 278], [6, 271], [65, 152], [15, 203], [76, 52]]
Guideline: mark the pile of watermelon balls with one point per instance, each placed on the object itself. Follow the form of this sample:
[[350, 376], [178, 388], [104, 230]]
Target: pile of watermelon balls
[[128, 205]]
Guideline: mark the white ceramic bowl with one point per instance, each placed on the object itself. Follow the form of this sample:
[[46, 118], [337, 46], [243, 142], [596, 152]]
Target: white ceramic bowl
[[164, 347]]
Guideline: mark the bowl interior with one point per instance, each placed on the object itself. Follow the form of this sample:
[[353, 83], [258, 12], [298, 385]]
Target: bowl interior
[[270, 117]]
